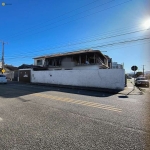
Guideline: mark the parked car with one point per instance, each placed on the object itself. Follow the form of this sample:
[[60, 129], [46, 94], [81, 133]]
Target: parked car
[[141, 81], [3, 78]]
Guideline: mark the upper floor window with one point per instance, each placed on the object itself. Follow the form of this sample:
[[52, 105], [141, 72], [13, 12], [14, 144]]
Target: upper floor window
[[39, 62]]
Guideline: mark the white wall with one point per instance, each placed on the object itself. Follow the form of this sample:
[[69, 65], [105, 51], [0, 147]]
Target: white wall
[[35, 62], [100, 78], [86, 67], [80, 67]]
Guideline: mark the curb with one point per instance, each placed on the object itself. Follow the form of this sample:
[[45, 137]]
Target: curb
[[113, 91], [138, 88]]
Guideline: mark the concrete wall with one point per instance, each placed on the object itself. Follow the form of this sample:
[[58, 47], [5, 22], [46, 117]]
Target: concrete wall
[[80, 67], [100, 78], [9, 75], [86, 67]]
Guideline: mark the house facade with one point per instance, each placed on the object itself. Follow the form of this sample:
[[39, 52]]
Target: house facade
[[84, 59], [86, 68]]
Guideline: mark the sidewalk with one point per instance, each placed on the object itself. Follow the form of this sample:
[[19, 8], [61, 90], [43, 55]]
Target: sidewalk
[[127, 90], [130, 89]]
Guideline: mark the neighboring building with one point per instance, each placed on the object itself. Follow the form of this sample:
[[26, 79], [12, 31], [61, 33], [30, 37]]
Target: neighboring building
[[10, 68], [84, 59], [115, 65], [34, 67], [10, 71], [109, 61]]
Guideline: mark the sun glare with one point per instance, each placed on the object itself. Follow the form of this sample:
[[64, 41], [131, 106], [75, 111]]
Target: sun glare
[[147, 24]]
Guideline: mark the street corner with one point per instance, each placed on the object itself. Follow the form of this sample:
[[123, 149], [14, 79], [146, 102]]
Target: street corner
[[131, 89], [145, 90]]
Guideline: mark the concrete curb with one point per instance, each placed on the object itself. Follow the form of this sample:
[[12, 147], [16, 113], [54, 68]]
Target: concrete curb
[[137, 88], [79, 87], [128, 91], [113, 91]]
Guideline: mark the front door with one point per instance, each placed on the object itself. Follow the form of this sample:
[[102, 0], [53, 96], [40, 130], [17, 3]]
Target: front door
[[24, 75]]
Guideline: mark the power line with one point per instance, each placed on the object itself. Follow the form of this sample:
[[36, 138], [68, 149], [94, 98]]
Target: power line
[[127, 45], [65, 14], [123, 42], [83, 42], [106, 33], [85, 16], [106, 45], [45, 48], [35, 54], [21, 60]]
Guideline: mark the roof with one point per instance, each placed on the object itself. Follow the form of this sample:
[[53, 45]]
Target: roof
[[70, 53], [10, 67], [25, 66], [107, 56]]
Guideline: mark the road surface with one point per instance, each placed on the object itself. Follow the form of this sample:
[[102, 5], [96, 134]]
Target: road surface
[[52, 118]]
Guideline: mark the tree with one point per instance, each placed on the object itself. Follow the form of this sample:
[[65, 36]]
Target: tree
[[138, 74]]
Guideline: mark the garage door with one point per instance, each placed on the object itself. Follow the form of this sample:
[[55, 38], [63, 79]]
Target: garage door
[[24, 75]]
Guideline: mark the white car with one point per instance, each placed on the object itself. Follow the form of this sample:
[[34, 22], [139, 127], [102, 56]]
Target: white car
[[3, 79]]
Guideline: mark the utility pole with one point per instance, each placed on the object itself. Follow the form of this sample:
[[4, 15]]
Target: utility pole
[[2, 55], [143, 70]]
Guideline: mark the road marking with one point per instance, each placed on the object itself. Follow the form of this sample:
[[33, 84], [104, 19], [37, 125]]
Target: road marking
[[1, 119], [79, 102]]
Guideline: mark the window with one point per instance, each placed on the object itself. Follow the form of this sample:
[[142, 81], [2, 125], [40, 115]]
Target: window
[[2, 76], [39, 62], [142, 78]]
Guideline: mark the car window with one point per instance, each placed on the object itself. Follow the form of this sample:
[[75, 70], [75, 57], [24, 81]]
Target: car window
[[142, 79], [2, 76]]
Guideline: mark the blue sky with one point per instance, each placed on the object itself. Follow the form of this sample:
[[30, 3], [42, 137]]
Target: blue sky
[[33, 28]]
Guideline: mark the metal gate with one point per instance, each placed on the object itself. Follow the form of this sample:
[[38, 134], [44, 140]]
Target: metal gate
[[24, 75]]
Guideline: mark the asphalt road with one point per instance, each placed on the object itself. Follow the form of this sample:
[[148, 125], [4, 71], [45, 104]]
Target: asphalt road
[[37, 117]]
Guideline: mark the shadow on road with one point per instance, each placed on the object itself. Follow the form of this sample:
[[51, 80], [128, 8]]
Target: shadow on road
[[123, 96], [16, 89]]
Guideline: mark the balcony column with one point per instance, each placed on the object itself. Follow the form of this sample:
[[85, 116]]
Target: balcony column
[[80, 59], [94, 58]]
